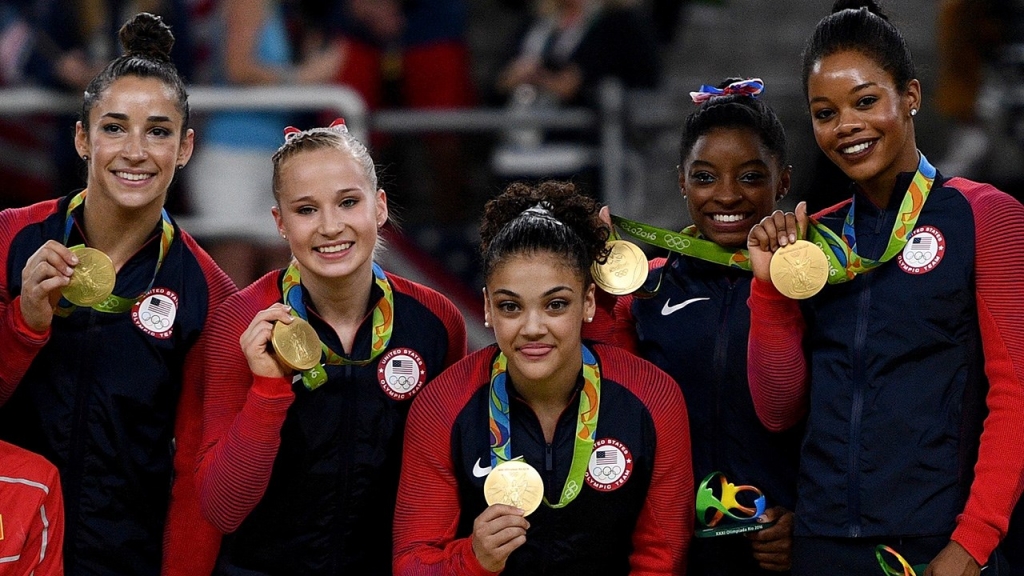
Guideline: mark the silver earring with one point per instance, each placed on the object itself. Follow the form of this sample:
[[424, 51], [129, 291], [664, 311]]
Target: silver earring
[[590, 319], [487, 324], [85, 157], [913, 111]]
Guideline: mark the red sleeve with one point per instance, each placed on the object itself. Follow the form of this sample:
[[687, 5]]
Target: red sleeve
[[776, 365], [663, 530], [999, 273], [47, 540], [20, 343], [191, 543], [242, 414], [427, 512], [613, 323]]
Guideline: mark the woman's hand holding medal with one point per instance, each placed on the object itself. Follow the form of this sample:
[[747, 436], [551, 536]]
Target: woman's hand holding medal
[[497, 532], [773, 232], [45, 274], [256, 339], [773, 546]]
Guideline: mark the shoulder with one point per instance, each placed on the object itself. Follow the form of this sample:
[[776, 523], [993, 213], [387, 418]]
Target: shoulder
[[239, 308], [218, 282], [437, 303], [20, 466], [453, 388], [13, 220], [981, 196], [642, 378]]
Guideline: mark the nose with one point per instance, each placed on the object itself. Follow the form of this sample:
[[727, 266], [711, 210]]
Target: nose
[[135, 147], [728, 193], [849, 123], [331, 223], [534, 326]]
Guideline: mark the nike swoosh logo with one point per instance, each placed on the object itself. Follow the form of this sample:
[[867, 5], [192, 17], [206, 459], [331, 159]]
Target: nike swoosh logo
[[480, 472], [666, 309]]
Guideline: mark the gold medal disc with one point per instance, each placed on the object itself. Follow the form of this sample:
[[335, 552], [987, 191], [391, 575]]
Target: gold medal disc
[[799, 270], [624, 271], [297, 345], [93, 278], [514, 483]]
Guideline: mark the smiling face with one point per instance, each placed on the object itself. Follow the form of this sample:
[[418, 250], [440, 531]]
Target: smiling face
[[537, 304], [861, 121], [731, 181], [134, 143], [329, 213]]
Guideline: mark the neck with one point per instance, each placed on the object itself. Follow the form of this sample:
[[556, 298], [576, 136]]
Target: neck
[[117, 232], [551, 395], [881, 188], [340, 301]]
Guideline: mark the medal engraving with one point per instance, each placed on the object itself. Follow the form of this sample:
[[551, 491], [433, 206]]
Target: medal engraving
[[93, 278], [624, 271], [297, 345], [514, 483], [799, 270]]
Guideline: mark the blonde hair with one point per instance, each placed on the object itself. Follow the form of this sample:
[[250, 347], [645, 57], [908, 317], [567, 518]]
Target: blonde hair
[[335, 137]]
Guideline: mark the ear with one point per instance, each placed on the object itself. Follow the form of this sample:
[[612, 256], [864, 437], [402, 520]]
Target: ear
[[276, 211], [913, 96], [382, 207], [81, 139], [186, 148], [785, 180], [487, 306], [682, 183], [590, 301]]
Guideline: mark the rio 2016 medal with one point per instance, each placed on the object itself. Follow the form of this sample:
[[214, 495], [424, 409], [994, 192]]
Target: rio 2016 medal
[[514, 483], [93, 278], [799, 270], [624, 271], [297, 344]]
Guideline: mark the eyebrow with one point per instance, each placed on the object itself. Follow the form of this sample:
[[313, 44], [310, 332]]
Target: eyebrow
[[309, 198], [855, 89], [548, 293], [119, 116], [755, 162]]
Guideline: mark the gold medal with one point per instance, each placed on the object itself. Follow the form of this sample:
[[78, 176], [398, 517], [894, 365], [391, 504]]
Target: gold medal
[[514, 483], [93, 278], [624, 271], [799, 270], [297, 345]]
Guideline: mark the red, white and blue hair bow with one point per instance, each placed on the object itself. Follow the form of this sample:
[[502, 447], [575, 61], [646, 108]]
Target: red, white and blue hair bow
[[751, 87]]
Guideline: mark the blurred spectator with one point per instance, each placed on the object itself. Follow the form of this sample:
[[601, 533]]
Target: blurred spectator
[[230, 177], [72, 42], [571, 45]]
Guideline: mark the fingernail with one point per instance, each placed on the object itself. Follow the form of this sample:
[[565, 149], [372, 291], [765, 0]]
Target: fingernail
[[783, 241], [74, 259], [792, 237], [69, 271]]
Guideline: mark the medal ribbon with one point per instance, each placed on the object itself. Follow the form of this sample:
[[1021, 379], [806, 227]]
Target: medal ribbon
[[115, 304], [383, 322], [688, 243], [844, 262], [586, 424]]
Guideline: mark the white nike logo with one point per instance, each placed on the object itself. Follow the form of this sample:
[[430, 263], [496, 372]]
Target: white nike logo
[[480, 472], [666, 309]]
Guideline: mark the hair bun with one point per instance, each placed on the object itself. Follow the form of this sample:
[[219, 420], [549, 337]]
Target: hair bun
[[871, 5], [145, 35]]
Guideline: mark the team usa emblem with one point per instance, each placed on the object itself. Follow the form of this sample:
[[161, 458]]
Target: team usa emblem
[[610, 465], [924, 250], [154, 313], [401, 373]]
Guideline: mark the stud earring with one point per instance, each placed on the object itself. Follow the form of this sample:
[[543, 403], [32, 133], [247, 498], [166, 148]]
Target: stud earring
[[590, 319], [487, 324], [85, 157], [913, 111], [180, 166]]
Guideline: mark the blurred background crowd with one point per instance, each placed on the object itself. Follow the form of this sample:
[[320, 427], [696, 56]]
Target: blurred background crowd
[[429, 71]]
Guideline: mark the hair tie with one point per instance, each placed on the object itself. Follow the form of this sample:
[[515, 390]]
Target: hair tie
[[752, 87], [291, 132], [338, 126]]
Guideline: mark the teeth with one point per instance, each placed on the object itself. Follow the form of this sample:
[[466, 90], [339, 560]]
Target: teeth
[[728, 217], [335, 248], [855, 149], [132, 177]]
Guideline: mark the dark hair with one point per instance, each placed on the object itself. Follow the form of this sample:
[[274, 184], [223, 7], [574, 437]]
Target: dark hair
[[860, 26], [550, 217], [147, 43], [734, 111]]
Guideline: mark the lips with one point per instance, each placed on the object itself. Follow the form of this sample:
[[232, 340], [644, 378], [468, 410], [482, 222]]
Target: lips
[[333, 248], [729, 218], [857, 149], [133, 176], [535, 350]]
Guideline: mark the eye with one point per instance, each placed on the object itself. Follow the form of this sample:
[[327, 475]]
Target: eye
[[160, 132], [823, 114], [702, 177], [866, 101], [349, 202], [752, 177], [305, 210], [508, 306], [112, 128], [558, 305]]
